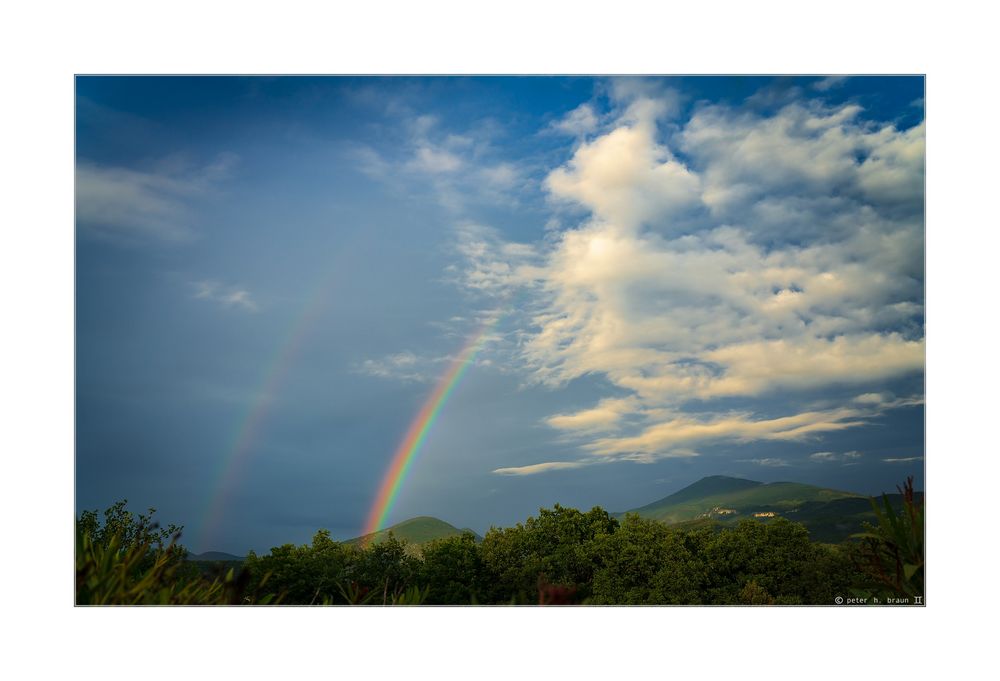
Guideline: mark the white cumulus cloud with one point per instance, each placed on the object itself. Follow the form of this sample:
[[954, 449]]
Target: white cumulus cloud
[[733, 255]]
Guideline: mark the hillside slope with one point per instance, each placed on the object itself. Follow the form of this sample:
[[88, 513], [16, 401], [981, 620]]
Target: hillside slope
[[214, 556], [724, 497], [419, 530]]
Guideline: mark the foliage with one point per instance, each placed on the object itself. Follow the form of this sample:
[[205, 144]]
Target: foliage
[[333, 573], [644, 562], [891, 554], [386, 567], [777, 556], [452, 570], [559, 547], [560, 556], [125, 561], [130, 530], [413, 595], [303, 575]]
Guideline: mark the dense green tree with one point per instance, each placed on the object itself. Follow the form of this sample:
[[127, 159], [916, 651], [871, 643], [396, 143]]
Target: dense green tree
[[452, 570], [777, 556], [644, 562], [559, 547], [330, 572], [384, 568], [305, 574]]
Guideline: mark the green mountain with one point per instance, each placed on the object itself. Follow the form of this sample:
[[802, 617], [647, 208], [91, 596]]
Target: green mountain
[[721, 496], [712, 486], [420, 530], [829, 515], [215, 556]]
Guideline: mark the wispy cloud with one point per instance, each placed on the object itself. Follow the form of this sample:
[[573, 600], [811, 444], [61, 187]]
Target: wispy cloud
[[580, 121], [825, 457], [489, 264], [225, 295], [402, 366], [829, 83], [459, 170], [681, 430], [408, 366], [536, 468], [130, 204], [767, 462], [904, 459], [606, 416]]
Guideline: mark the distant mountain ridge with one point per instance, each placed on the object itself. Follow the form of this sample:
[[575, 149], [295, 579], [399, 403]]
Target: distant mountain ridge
[[830, 515], [742, 496]]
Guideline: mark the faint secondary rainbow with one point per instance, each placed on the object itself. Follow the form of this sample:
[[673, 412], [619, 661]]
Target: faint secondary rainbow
[[249, 427], [421, 425], [272, 377]]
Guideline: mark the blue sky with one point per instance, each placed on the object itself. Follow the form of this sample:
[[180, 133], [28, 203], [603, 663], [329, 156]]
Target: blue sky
[[692, 276]]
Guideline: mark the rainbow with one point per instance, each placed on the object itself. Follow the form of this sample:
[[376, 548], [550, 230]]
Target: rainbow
[[272, 378], [416, 434]]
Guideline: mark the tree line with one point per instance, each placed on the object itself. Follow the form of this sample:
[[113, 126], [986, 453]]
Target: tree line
[[561, 556]]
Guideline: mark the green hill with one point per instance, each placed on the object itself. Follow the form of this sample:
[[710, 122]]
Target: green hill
[[215, 556], [718, 501], [420, 530], [719, 496], [830, 515], [711, 487]]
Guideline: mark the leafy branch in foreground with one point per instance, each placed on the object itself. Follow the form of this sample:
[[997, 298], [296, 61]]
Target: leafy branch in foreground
[[892, 553], [126, 561]]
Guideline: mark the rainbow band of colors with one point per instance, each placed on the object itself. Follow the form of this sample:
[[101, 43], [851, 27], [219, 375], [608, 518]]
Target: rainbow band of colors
[[417, 433], [273, 376]]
